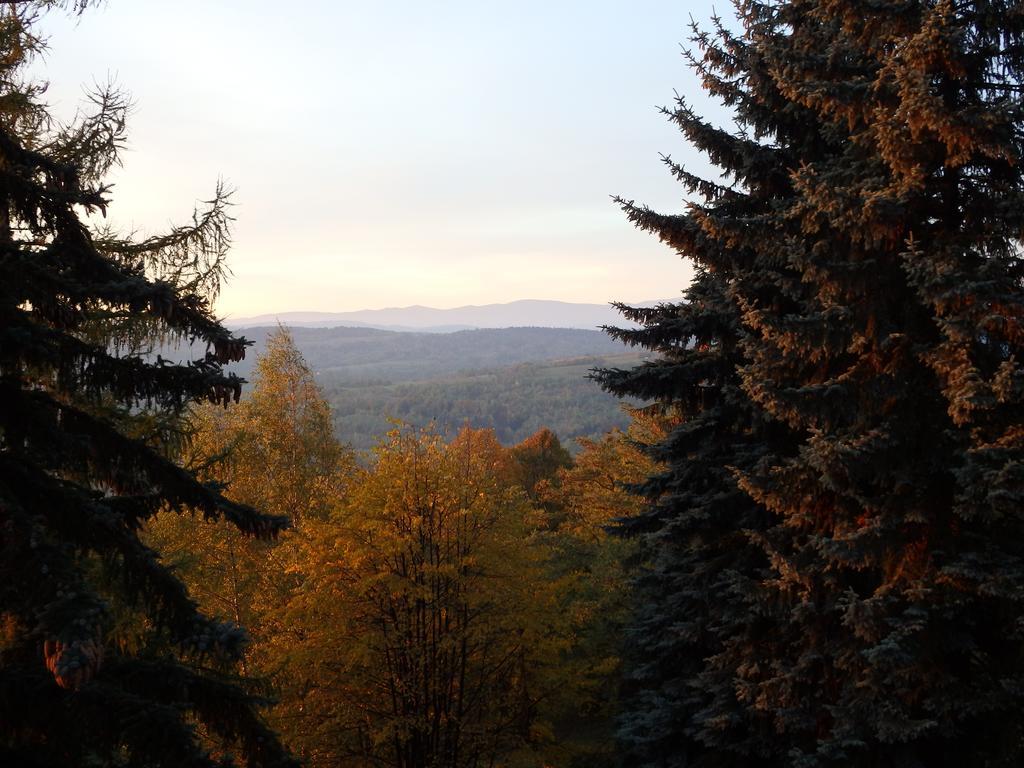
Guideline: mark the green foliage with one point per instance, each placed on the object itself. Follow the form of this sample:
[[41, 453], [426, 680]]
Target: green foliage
[[104, 658], [515, 402], [835, 548], [512, 380]]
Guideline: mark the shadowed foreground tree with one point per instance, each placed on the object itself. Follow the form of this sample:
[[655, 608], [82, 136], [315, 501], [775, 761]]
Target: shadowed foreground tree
[[86, 426], [837, 548]]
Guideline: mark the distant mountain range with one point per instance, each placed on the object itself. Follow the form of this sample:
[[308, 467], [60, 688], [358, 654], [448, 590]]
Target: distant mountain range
[[524, 313]]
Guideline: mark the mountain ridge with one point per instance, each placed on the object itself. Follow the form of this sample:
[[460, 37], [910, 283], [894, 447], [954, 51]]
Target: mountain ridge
[[538, 313]]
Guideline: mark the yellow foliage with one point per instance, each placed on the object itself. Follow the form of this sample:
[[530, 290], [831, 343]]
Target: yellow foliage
[[425, 620], [456, 603], [276, 451]]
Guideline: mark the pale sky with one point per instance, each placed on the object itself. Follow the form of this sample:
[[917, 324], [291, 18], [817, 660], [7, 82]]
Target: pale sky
[[395, 152]]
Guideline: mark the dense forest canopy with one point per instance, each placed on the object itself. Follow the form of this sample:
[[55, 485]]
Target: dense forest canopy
[[512, 380], [368, 355]]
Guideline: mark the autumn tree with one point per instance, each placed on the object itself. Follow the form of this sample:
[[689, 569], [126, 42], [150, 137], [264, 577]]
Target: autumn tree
[[595, 490], [592, 495], [275, 450], [87, 425], [279, 447], [536, 464], [424, 623], [836, 547]]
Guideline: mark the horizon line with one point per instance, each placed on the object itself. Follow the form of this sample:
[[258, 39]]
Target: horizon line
[[276, 313]]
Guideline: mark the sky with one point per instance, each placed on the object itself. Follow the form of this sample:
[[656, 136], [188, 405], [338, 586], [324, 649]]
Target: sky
[[392, 153]]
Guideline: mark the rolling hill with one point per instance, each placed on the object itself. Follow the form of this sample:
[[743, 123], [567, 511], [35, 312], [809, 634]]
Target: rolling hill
[[368, 355], [514, 380]]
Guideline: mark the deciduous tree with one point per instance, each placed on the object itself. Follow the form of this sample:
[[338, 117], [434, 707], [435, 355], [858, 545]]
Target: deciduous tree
[[424, 624], [536, 462], [276, 451], [592, 495]]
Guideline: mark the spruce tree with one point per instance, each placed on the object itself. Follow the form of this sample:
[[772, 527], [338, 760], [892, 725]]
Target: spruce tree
[[104, 657], [835, 551]]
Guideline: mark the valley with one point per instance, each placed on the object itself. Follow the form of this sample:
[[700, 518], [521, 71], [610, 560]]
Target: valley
[[513, 380]]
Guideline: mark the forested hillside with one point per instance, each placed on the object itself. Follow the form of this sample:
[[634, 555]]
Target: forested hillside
[[511, 380], [368, 355], [514, 401]]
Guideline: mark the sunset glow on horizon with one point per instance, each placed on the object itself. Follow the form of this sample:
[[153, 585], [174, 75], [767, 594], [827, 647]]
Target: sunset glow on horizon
[[394, 155]]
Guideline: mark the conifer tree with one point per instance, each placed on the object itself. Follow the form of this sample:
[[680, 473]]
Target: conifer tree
[[835, 550], [104, 657]]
